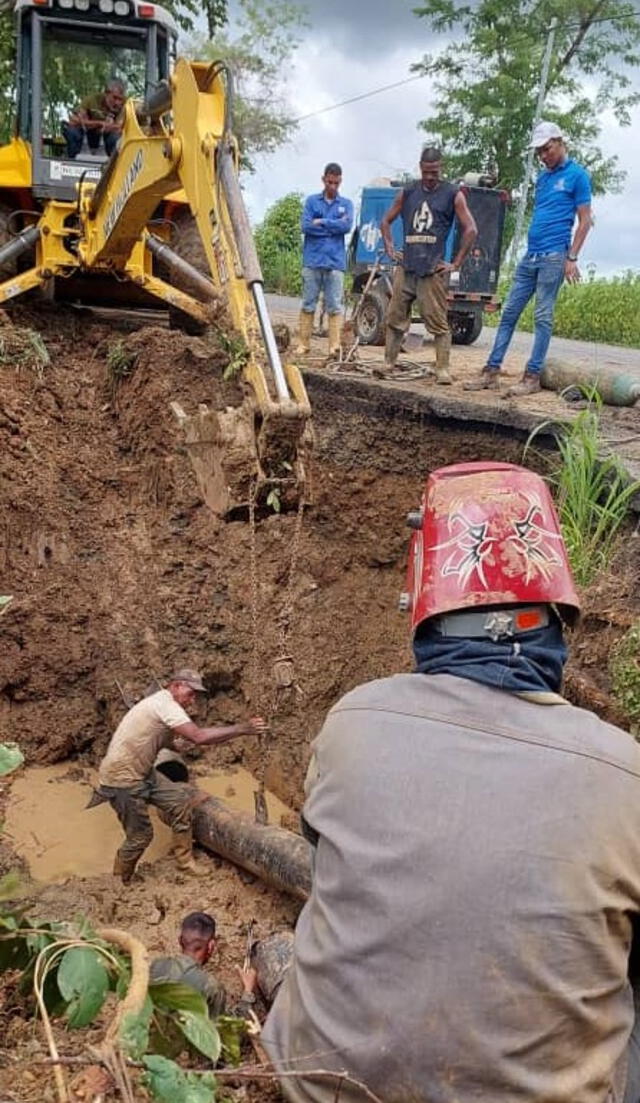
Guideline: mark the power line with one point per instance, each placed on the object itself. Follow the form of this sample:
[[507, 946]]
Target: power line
[[421, 76], [362, 96]]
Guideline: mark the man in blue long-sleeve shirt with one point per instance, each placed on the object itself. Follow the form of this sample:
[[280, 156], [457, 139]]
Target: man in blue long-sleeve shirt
[[326, 219]]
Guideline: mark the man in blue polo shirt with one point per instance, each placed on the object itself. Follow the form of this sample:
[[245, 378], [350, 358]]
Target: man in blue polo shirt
[[326, 219], [563, 191]]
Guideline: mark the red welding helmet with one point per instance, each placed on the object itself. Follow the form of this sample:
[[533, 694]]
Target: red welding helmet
[[487, 534]]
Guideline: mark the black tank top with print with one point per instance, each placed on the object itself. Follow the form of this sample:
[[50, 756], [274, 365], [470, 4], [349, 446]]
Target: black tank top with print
[[427, 217]]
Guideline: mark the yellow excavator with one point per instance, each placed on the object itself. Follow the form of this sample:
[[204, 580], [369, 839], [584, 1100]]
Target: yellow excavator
[[159, 223]]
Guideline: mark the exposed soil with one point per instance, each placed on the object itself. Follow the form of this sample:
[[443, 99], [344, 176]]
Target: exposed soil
[[120, 572]]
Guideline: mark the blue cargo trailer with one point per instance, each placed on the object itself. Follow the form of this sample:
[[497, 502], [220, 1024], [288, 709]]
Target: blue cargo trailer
[[474, 291]]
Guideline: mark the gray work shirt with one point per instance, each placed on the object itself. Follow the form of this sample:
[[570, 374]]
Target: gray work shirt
[[477, 871]]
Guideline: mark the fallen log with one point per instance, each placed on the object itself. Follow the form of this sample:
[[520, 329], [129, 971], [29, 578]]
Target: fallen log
[[278, 857]]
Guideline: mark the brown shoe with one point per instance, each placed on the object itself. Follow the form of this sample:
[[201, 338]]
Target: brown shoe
[[444, 377], [529, 384], [489, 381]]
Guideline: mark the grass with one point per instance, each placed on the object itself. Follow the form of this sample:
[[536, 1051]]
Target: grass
[[624, 668], [593, 491], [601, 310], [24, 348], [120, 364]]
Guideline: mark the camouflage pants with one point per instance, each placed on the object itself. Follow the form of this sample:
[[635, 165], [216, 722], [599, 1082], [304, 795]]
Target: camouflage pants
[[174, 801]]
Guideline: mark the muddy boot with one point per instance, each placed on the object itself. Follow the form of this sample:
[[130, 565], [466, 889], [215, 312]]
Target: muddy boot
[[392, 345], [124, 868], [443, 347], [335, 333], [305, 329], [489, 380], [529, 384], [182, 850]]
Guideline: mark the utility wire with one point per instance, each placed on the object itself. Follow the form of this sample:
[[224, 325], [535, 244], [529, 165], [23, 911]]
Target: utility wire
[[421, 76]]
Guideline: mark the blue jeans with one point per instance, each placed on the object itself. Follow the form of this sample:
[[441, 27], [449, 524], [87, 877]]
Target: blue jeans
[[540, 275], [328, 280], [74, 137]]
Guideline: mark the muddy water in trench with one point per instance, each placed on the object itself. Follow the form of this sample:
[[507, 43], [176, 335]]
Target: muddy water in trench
[[49, 826]]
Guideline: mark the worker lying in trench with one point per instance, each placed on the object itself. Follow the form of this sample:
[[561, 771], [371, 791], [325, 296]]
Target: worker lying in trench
[[477, 870], [130, 782]]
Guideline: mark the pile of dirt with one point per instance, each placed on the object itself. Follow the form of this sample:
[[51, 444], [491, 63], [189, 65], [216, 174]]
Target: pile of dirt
[[119, 571]]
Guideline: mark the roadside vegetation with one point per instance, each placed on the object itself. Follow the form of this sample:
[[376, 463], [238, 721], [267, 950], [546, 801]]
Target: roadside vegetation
[[603, 310], [279, 244], [592, 489]]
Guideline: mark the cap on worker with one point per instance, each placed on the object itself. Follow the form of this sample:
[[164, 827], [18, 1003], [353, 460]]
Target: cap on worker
[[543, 133], [190, 678], [487, 534]]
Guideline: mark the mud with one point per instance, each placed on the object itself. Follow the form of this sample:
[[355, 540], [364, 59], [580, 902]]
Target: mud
[[50, 828]]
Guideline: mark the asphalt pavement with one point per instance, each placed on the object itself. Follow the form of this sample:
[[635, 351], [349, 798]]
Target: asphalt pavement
[[586, 353]]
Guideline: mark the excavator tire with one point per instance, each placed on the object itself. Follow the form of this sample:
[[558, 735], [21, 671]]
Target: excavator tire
[[187, 244]]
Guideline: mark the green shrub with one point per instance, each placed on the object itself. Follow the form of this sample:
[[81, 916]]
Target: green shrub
[[279, 244], [606, 310], [624, 667]]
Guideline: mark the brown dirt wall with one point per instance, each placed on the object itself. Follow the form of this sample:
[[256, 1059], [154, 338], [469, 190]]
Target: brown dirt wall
[[119, 572]]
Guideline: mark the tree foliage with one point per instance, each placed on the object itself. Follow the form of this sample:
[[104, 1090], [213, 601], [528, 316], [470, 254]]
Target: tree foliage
[[279, 244], [486, 81], [259, 48]]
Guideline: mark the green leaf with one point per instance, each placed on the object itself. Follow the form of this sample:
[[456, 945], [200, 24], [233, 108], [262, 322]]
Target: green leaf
[[171, 996], [200, 1031], [83, 981], [231, 1031], [164, 1079], [10, 758], [134, 1031], [201, 1087], [14, 953]]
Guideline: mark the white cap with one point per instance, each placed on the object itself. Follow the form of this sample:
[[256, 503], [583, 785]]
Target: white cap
[[543, 133]]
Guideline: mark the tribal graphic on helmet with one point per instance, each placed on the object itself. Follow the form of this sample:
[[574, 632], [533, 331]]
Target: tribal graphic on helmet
[[488, 536]]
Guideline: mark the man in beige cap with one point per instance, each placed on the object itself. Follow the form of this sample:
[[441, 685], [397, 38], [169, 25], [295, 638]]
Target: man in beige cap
[[129, 781]]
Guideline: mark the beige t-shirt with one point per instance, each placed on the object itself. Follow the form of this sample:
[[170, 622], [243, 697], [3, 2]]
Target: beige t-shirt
[[145, 729]]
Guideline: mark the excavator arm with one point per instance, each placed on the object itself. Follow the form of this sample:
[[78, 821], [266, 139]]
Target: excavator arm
[[181, 139]]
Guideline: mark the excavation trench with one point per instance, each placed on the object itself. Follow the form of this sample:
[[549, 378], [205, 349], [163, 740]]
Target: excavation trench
[[120, 573]]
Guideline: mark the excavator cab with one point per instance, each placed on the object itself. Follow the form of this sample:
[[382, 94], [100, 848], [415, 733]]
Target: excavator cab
[[69, 50]]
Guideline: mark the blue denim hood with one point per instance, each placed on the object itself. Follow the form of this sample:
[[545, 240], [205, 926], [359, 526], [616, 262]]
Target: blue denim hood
[[532, 663]]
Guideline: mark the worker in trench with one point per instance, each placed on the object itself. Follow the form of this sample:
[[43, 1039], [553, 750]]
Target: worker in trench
[[197, 941], [428, 208], [477, 841], [128, 778]]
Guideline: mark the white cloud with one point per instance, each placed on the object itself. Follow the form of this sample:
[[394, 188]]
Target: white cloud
[[352, 48]]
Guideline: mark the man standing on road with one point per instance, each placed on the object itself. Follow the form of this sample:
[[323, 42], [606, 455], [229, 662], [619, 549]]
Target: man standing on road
[[326, 219], [129, 781], [563, 190], [477, 840], [428, 208]]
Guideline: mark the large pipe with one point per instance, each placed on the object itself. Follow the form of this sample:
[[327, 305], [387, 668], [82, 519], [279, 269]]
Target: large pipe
[[615, 387], [164, 253], [275, 855]]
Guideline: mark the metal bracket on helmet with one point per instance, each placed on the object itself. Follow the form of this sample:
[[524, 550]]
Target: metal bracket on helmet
[[497, 624]]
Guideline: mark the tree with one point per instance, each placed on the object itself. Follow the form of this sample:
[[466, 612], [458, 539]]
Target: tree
[[487, 80], [278, 241], [259, 49], [186, 11]]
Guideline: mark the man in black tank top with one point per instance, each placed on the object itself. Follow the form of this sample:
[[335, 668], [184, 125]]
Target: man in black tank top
[[428, 208]]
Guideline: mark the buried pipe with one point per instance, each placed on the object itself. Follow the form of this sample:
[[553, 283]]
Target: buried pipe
[[277, 856]]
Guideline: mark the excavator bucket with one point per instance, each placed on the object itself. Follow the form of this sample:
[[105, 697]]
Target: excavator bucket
[[228, 450]]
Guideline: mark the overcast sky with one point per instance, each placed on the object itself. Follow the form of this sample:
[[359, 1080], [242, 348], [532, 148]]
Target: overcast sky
[[354, 46]]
